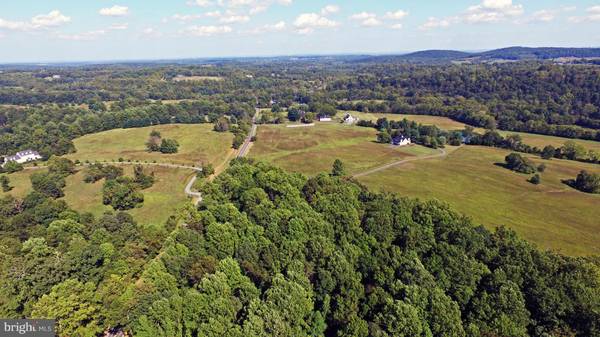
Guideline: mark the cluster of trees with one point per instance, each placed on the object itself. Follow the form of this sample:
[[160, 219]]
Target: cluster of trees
[[426, 135], [239, 127], [517, 163], [11, 167], [5, 183], [97, 172], [158, 144], [587, 182], [123, 193], [273, 253], [52, 182], [207, 171], [570, 150]]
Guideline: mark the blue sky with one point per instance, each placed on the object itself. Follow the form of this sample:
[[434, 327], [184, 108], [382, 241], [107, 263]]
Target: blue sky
[[76, 30]]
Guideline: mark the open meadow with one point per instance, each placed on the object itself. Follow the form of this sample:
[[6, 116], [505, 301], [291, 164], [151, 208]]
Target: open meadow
[[160, 200], [552, 214], [311, 150], [198, 144]]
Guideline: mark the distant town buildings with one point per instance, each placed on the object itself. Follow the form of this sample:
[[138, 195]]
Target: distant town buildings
[[23, 157]]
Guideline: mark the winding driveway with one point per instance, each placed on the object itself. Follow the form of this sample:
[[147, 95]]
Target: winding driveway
[[442, 153]]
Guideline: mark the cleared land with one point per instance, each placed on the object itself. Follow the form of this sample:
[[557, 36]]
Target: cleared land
[[160, 200], [552, 215], [443, 123], [20, 183], [313, 150], [198, 144]]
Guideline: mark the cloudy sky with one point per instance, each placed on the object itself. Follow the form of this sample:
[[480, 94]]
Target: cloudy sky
[[77, 30]]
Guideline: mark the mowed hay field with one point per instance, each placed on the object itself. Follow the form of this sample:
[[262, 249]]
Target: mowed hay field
[[552, 215], [311, 150], [198, 144], [160, 200], [443, 123]]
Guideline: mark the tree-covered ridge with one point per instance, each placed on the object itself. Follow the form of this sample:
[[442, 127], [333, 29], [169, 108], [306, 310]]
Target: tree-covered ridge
[[269, 253]]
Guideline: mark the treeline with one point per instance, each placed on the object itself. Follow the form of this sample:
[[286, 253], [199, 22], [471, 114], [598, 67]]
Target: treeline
[[528, 97], [50, 129]]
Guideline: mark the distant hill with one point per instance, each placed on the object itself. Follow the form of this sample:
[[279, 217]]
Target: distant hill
[[509, 54], [524, 53]]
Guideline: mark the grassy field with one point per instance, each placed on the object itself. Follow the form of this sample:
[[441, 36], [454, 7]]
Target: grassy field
[[445, 123], [20, 183], [160, 200], [311, 150], [198, 144], [552, 215]]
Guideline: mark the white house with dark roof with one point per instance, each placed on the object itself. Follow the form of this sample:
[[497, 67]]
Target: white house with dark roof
[[23, 157], [401, 140]]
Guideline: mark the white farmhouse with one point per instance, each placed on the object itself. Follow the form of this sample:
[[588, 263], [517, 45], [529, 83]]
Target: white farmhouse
[[325, 119], [349, 119], [401, 141], [23, 157]]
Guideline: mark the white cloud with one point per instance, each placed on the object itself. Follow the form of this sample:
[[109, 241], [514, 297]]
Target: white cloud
[[150, 32], [592, 15], [433, 23], [86, 36], [183, 17], [213, 14], [397, 26], [202, 31], [330, 9], [119, 26], [307, 23], [43, 21], [363, 16], [200, 3], [269, 28], [234, 19], [371, 22], [543, 15], [492, 11], [115, 10], [397, 15]]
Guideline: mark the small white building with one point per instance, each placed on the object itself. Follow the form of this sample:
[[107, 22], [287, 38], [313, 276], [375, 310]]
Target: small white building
[[349, 119], [401, 141], [23, 157], [325, 119]]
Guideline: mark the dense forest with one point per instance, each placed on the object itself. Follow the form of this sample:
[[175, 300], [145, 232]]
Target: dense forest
[[270, 253]]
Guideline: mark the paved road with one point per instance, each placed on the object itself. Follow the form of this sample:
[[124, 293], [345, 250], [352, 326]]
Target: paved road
[[244, 149], [385, 167]]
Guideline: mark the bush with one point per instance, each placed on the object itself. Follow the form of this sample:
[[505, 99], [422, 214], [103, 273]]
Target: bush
[[536, 179], [588, 182], [121, 194], [169, 146], [517, 163], [12, 167]]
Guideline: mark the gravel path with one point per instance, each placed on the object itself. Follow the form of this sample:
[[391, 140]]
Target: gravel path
[[404, 161]]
